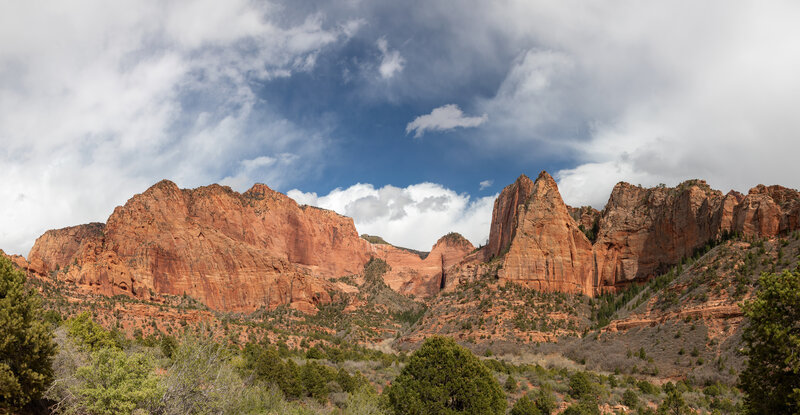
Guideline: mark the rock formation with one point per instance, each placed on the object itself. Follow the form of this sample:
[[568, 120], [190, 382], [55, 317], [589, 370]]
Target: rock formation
[[411, 274], [639, 233], [548, 251], [230, 251], [504, 216]]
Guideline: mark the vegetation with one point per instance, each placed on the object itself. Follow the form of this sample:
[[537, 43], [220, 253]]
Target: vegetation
[[445, 378], [771, 379], [26, 341]]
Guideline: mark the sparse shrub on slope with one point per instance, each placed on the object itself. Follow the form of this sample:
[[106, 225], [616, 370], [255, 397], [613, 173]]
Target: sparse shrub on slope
[[26, 341], [445, 378]]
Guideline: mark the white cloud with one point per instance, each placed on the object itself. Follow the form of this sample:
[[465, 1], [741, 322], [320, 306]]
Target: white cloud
[[97, 102], [486, 183], [415, 216], [391, 60], [613, 89], [446, 117]]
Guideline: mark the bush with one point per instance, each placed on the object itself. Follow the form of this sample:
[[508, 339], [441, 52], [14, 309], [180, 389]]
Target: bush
[[511, 384], [586, 406], [647, 387], [580, 385], [445, 378], [525, 406], [89, 335], [363, 401], [116, 383], [26, 342], [771, 379], [545, 400], [630, 399], [673, 404]]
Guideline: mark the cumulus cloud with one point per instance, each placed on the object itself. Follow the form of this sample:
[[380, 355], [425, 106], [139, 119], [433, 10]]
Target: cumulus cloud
[[97, 102], [415, 216], [622, 96], [391, 60], [444, 118], [486, 183]]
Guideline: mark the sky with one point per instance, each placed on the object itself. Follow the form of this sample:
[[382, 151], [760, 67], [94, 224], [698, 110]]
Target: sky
[[408, 116]]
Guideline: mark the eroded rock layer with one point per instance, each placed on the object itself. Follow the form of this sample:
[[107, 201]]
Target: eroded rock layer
[[230, 251], [639, 233]]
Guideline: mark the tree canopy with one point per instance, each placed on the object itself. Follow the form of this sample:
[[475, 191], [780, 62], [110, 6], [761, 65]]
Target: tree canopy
[[26, 341], [771, 379], [442, 377]]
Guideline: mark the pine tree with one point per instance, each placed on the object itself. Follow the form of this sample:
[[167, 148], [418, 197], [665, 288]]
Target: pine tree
[[771, 379], [26, 341], [445, 378]]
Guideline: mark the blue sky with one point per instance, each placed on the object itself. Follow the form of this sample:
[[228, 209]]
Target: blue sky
[[408, 116]]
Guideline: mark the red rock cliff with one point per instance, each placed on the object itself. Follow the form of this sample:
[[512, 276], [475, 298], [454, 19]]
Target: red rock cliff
[[640, 232], [504, 216], [231, 251], [548, 251], [411, 274]]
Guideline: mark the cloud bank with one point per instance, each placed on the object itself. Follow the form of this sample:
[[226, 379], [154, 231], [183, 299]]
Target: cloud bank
[[100, 100], [413, 217]]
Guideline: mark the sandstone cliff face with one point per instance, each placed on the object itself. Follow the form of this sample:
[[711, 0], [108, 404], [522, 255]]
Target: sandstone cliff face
[[504, 216], [585, 216], [410, 274], [230, 251], [642, 229], [548, 252], [640, 232]]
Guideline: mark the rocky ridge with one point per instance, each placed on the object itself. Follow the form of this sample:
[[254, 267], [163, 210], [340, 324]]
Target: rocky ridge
[[640, 232], [230, 251]]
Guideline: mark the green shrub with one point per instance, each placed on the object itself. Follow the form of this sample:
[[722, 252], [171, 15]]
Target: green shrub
[[168, 345], [580, 385], [630, 398], [647, 387], [117, 383], [26, 341], [445, 378], [364, 401], [545, 400], [89, 335], [525, 406], [511, 384], [586, 406], [771, 379]]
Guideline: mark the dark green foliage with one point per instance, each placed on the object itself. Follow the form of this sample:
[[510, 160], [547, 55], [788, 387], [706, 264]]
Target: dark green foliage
[[586, 406], [314, 353], [445, 378], [26, 341], [647, 387], [315, 379], [771, 379], [525, 406], [580, 385], [168, 346], [545, 400], [630, 398], [673, 404], [511, 384]]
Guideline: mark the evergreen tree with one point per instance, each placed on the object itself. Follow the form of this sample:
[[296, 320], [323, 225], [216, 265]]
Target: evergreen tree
[[445, 378], [771, 379], [26, 341]]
